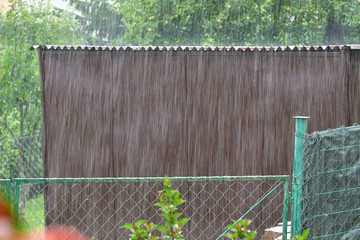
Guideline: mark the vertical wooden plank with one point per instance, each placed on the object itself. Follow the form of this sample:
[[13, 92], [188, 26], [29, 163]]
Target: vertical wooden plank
[[78, 89], [149, 101], [305, 84], [354, 86], [78, 114], [225, 134]]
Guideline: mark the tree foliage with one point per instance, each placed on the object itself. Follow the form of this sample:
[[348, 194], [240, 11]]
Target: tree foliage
[[100, 25], [149, 22], [239, 22], [27, 23]]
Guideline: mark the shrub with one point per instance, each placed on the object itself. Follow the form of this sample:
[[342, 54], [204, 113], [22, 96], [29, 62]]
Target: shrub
[[168, 202], [239, 230]]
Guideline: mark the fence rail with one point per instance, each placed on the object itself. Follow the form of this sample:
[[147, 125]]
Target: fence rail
[[99, 206]]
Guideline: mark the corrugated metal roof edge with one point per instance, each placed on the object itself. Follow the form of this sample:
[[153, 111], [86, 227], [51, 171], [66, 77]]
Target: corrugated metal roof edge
[[330, 48]]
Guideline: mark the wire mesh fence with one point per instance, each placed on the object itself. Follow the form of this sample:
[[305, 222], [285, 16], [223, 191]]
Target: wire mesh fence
[[99, 207], [330, 180], [5, 189], [21, 157]]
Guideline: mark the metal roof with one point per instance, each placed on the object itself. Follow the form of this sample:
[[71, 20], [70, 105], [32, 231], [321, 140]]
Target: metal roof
[[329, 48]]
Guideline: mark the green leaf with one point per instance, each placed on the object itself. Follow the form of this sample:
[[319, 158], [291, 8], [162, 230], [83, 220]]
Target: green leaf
[[305, 234], [161, 228], [232, 227], [179, 201], [139, 222], [167, 216], [183, 221], [229, 235], [167, 182], [159, 204], [127, 225], [253, 234]]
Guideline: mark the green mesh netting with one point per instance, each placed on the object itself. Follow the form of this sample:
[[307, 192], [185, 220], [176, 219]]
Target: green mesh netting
[[331, 191]]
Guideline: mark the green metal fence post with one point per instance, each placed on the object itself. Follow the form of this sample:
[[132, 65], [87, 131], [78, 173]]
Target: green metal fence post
[[16, 199], [286, 207], [8, 192], [296, 218]]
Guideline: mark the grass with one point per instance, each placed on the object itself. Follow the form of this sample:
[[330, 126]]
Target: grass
[[34, 214]]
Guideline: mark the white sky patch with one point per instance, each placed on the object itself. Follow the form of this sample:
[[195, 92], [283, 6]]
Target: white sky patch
[[60, 4], [64, 5]]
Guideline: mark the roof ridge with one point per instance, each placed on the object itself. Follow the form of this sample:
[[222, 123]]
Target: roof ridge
[[320, 48]]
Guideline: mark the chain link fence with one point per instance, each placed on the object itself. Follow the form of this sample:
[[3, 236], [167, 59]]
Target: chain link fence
[[99, 207], [330, 198], [21, 157], [5, 189]]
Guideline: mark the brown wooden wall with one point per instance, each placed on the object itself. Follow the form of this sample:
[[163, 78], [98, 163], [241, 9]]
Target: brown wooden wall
[[113, 114], [185, 113]]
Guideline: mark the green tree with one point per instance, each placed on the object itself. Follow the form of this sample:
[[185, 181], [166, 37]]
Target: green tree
[[239, 22], [100, 25], [27, 23]]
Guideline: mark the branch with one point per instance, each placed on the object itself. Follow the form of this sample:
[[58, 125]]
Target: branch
[[1, 132], [12, 133], [8, 128]]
